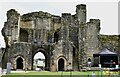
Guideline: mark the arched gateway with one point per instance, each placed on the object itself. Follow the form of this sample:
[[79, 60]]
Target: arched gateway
[[46, 61]]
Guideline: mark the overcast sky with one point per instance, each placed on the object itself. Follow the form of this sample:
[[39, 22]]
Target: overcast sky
[[106, 11]]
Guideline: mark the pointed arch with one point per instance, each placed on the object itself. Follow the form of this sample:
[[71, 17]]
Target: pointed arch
[[46, 67], [61, 63], [20, 63]]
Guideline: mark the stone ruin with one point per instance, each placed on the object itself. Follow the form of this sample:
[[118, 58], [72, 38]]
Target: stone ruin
[[67, 41]]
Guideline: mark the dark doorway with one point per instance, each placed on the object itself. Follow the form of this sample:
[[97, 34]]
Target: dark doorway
[[56, 36], [89, 60], [19, 63], [75, 64], [61, 65]]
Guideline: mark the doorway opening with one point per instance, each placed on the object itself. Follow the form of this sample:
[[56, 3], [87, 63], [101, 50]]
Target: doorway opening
[[61, 64], [39, 61], [19, 62]]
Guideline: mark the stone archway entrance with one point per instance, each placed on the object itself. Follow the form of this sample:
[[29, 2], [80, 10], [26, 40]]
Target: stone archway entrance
[[61, 64], [39, 61], [45, 60], [19, 63]]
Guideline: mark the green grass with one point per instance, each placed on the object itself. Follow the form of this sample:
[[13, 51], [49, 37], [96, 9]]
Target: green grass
[[52, 73], [55, 74]]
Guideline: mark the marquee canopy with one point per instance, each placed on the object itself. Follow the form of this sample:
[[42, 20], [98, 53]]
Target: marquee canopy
[[105, 52]]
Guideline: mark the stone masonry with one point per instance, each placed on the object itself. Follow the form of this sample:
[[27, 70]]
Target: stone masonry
[[68, 40]]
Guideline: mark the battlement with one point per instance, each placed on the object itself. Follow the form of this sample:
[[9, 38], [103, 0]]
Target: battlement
[[56, 19], [95, 20], [81, 6], [81, 13], [66, 15]]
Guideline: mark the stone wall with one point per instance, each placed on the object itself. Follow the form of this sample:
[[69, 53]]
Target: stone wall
[[111, 42], [68, 37], [10, 30], [91, 39]]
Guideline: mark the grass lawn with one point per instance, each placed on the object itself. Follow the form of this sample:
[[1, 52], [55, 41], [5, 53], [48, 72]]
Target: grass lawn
[[59, 74]]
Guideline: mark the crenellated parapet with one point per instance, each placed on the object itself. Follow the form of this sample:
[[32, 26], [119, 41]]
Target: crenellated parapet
[[97, 23], [81, 13]]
